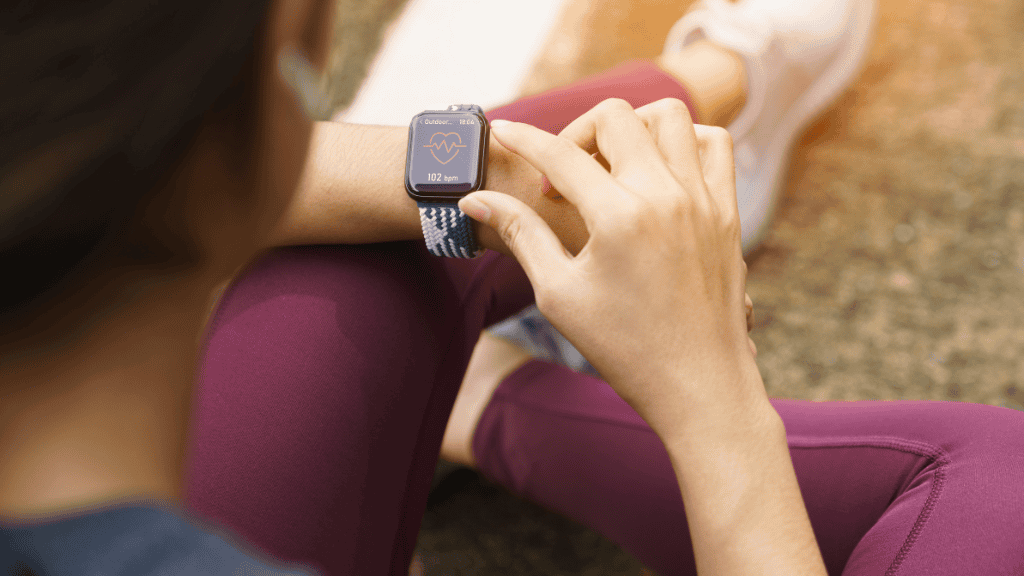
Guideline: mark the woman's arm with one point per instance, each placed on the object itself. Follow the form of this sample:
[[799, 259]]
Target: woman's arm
[[655, 300], [352, 192], [743, 503]]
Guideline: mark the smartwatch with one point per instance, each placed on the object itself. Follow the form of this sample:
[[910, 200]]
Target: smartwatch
[[446, 160]]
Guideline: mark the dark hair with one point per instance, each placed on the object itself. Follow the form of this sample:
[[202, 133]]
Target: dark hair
[[100, 100]]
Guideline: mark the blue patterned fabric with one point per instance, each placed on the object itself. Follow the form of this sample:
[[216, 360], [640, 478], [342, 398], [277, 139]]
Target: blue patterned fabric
[[447, 231], [533, 332]]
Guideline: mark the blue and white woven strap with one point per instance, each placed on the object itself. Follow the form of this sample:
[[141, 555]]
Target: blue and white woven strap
[[447, 230]]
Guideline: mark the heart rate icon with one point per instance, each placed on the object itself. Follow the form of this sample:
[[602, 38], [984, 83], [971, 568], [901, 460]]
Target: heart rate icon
[[437, 144]]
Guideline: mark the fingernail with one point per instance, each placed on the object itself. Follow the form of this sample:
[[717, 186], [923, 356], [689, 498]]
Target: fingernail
[[499, 124], [475, 209]]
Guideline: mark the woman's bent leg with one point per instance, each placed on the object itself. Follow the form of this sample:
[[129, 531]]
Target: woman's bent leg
[[892, 488], [329, 373], [326, 381], [638, 82]]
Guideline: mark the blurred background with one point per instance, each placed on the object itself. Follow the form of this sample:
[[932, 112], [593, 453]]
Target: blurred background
[[894, 268]]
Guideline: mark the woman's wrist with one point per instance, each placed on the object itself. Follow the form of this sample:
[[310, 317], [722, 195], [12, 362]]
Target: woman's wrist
[[353, 192], [729, 427], [743, 504], [698, 399]]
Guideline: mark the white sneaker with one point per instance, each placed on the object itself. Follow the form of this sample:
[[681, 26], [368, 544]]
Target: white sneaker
[[800, 55]]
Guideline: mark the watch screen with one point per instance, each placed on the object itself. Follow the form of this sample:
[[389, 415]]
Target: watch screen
[[445, 153]]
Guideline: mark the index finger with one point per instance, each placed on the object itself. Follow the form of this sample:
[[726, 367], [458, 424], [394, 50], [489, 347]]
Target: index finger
[[715, 153], [618, 133], [574, 173], [551, 192]]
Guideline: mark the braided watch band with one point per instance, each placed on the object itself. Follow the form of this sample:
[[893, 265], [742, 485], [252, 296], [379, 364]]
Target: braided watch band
[[447, 231]]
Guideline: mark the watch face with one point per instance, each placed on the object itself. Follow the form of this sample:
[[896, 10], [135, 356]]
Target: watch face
[[445, 154]]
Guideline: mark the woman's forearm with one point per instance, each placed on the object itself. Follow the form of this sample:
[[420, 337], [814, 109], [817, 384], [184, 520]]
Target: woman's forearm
[[743, 504], [348, 193], [352, 192]]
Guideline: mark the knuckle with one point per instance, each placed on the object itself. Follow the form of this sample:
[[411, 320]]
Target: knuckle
[[613, 106], [511, 231], [643, 216], [635, 210], [721, 135], [671, 106], [681, 207], [729, 223], [653, 212], [680, 214], [640, 178], [731, 220]]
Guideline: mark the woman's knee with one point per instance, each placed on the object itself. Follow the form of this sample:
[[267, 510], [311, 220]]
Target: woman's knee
[[980, 428]]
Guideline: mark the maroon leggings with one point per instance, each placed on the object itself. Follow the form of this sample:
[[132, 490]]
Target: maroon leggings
[[329, 372]]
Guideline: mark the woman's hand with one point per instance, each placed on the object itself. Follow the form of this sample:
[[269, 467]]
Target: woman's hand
[[656, 298]]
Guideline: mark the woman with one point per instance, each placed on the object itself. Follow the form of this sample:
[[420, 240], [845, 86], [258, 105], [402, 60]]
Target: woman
[[328, 372]]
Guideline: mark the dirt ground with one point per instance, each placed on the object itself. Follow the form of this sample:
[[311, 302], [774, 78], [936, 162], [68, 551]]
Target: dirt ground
[[894, 268]]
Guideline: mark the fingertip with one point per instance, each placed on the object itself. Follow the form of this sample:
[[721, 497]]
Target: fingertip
[[473, 207], [504, 133]]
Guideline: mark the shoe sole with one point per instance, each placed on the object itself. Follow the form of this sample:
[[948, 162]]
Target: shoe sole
[[821, 94]]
